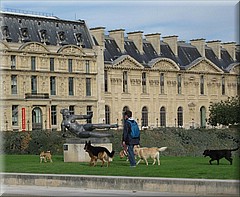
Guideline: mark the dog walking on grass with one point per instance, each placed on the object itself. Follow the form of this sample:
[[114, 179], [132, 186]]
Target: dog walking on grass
[[98, 152]]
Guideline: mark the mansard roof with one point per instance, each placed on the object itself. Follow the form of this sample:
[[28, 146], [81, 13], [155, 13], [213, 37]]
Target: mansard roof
[[48, 30], [187, 54]]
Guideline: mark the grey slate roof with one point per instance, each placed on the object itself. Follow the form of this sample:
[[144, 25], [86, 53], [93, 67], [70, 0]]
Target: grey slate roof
[[48, 30]]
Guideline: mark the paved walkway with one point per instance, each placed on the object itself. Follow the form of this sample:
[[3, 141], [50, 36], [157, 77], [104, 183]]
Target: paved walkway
[[67, 191]]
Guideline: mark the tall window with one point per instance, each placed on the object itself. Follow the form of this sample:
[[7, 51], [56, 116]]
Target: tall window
[[71, 109], [144, 82], [13, 61], [89, 110], [87, 64], [33, 63], [125, 81], [162, 83], [53, 85], [51, 64], [105, 81], [70, 68], [14, 84], [15, 115], [162, 117], [54, 115], [179, 84], [202, 84], [34, 84], [107, 114], [88, 86], [223, 85], [70, 86], [144, 116], [180, 117]]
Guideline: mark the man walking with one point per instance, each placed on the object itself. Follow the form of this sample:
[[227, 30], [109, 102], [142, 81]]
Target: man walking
[[130, 137]]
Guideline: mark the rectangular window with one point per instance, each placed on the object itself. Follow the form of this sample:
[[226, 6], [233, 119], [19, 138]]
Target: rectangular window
[[179, 84], [71, 109], [88, 86], [53, 85], [33, 63], [105, 81], [223, 85], [70, 68], [162, 83], [144, 83], [87, 64], [201, 85], [14, 84], [125, 81], [54, 115], [51, 64], [89, 109], [34, 84], [15, 115], [70, 86], [13, 61]]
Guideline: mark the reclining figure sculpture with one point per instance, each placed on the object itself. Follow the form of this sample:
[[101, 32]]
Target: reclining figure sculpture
[[83, 130]]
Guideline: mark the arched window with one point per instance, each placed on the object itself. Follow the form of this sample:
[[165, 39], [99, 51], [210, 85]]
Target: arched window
[[180, 116], [107, 114], [163, 117], [144, 116], [203, 117], [36, 119]]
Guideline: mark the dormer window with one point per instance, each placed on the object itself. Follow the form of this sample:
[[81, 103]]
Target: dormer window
[[5, 33], [79, 39], [61, 38], [43, 36], [24, 34]]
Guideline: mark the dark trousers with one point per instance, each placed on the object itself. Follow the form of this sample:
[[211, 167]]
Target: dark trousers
[[131, 156]]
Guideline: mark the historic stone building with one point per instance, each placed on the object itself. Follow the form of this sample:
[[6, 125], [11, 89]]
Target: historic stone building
[[48, 64]]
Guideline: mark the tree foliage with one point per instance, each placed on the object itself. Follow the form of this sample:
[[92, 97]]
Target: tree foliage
[[225, 112]]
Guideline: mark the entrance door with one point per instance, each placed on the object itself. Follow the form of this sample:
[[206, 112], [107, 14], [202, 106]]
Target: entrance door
[[203, 117], [36, 119]]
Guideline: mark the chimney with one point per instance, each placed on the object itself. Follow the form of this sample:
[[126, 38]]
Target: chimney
[[200, 45], [216, 47], [137, 39], [230, 47], [154, 39], [118, 36], [98, 33], [172, 42]]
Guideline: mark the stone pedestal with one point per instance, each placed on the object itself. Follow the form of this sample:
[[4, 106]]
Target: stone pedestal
[[73, 149]]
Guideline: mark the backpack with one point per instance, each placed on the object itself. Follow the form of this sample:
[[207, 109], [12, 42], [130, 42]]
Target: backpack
[[135, 133]]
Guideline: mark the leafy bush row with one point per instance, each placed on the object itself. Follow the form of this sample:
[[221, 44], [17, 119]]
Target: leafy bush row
[[180, 142]]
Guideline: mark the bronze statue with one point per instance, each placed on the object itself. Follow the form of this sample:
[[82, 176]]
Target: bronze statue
[[83, 130]]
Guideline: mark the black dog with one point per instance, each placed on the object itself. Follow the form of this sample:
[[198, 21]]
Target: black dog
[[219, 154]]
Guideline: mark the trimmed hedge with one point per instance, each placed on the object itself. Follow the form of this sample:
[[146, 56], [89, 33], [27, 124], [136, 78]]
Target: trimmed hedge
[[180, 142]]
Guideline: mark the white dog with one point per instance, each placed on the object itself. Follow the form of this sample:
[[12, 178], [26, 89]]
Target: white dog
[[144, 153]]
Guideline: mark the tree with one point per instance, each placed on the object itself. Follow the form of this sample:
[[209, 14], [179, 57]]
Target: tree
[[225, 112]]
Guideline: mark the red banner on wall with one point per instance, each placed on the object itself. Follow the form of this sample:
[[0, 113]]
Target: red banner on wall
[[23, 119]]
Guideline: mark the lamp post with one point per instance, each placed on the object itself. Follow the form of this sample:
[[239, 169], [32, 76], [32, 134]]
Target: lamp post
[[6, 125], [192, 123], [175, 122], [28, 124], [157, 122]]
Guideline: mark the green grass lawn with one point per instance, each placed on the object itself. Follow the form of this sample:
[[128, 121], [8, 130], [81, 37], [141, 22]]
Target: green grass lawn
[[178, 167]]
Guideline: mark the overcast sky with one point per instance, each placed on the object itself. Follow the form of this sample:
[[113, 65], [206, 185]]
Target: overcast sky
[[208, 19]]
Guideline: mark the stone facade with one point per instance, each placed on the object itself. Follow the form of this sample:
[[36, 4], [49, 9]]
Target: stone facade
[[103, 75]]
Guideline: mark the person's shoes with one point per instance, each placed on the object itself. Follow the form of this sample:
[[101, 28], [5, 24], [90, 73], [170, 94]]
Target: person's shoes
[[132, 166]]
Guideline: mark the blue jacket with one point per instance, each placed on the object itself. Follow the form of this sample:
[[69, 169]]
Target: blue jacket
[[126, 137]]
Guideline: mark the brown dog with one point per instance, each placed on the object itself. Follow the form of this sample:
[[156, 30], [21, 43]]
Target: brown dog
[[145, 153], [45, 156], [98, 152]]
